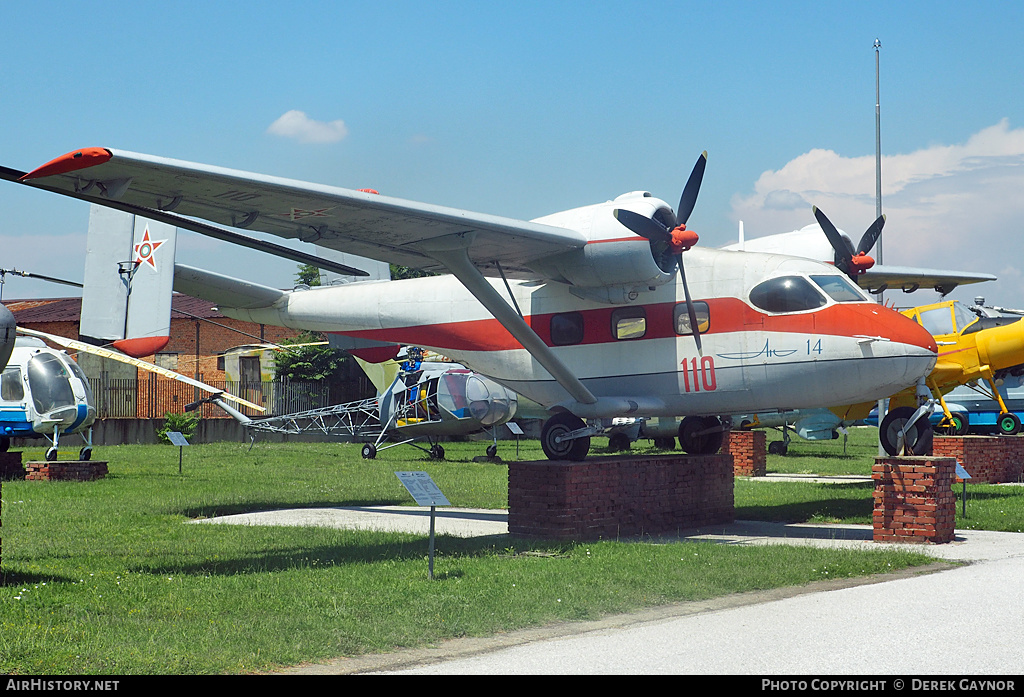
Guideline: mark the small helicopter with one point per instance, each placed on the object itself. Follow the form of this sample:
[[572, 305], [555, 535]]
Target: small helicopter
[[45, 394], [420, 396]]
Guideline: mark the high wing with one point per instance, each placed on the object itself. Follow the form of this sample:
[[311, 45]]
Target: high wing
[[359, 222], [910, 278]]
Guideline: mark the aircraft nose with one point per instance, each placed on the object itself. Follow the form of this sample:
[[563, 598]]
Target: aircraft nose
[[1002, 347]]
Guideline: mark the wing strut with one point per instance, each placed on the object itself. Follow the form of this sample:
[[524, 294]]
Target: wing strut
[[451, 251]]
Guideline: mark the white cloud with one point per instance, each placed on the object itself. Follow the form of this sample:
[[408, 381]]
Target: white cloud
[[947, 206], [295, 124]]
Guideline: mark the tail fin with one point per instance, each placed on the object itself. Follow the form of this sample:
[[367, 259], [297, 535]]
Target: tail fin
[[129, 274]]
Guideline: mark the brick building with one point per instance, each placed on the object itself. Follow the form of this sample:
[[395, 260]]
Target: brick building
[[204, 344]]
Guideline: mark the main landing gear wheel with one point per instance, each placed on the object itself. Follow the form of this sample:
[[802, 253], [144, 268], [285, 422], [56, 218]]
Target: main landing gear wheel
[[492, 450], [959, 426], [436, 452], [618, 442], [559, 425], [917, 438], [85, 454], [1008, 423], [666, 443], [701, 435], [778, 447], [51, 455], [369, 451]]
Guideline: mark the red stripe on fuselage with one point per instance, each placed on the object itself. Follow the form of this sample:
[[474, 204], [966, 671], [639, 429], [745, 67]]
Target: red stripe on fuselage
[[727, 315]]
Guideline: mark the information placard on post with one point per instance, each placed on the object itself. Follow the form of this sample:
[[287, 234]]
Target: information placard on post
[[426, 493], [178, 439], [422, 488]]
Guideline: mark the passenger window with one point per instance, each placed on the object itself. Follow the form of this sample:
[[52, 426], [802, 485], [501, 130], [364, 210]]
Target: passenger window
[[681, 318], [567, 329], [786, 294], [629, 323]]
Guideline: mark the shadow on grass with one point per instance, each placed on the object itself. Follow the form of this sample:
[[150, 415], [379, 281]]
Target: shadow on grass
[[393, 547], [213, 510], [14, 578]]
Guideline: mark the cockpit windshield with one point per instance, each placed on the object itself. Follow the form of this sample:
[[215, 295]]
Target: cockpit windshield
[[786, 294], [947, 319], [49, 382], [839, 288]]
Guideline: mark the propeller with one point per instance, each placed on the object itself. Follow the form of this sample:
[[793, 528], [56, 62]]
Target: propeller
[[675, 239], [852, 262]]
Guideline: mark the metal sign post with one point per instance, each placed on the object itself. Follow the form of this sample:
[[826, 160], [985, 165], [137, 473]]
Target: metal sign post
[[516, 431], [179, 440], [426, 493], [962, 473]]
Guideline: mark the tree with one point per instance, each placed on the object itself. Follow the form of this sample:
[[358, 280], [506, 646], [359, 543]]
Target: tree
[[308, 274], [312, 363], [400, 272]]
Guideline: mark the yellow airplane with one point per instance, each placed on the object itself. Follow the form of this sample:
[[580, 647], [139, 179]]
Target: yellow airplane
[[976, 350]]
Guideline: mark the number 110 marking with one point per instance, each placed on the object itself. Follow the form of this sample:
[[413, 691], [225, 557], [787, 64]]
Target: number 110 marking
[[703, 374]]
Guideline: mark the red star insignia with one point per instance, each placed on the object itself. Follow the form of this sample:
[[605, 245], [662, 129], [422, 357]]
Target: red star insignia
[[145, 251]]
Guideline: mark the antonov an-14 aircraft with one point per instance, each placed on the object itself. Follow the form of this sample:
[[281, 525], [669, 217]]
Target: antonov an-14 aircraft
[[587, 312]]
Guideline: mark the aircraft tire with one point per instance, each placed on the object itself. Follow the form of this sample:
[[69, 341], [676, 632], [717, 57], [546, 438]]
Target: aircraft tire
[[1009, 424], [701, 435], [666, 443], [959, 427], [51, 455], [618, 442], [558, 425], [436, 452], [777, 447], [917, 439], [369, 451], [85, 454]]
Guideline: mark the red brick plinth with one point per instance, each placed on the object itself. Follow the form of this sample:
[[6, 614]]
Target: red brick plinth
[[988, 459], [67, 470], [608, 497], [749, 452], [914, 501], [10, 466]]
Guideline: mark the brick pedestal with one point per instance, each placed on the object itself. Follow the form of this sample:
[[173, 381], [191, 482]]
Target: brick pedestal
[[988, 459], [914, 501], [10, 465], [749, 452], [609, 497], [67, 470]]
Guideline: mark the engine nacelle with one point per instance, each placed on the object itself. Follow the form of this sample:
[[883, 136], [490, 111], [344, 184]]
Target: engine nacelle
[[616, 265]]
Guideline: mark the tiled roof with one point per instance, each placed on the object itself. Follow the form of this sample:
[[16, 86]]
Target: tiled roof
[[70, 309]]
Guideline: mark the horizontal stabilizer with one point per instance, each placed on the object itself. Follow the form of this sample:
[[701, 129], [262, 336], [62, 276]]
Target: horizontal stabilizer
[[224, 290]]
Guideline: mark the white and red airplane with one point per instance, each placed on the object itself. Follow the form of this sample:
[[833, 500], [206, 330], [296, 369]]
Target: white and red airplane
[[587, 312]]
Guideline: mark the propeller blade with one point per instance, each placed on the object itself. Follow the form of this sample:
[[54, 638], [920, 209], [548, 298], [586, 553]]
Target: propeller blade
[[838, 242], [689, 198], [867, 241], [694, 328], [641, 224]]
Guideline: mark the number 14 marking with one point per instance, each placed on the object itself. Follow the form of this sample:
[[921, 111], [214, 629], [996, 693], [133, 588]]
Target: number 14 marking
[[813, 349]]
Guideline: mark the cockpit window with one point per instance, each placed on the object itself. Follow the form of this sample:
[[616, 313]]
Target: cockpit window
[[49, 382], [11, 389], [938, 320], [839, 288], [963, 316], [786, 294]]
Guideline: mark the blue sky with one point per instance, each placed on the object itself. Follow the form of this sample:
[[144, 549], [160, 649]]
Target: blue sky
[[525, 109]]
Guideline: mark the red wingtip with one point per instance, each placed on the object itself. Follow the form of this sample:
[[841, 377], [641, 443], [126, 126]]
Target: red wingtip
[[143, 346], [79, 159]]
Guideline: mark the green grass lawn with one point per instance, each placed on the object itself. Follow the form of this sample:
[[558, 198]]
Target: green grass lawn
[[106, 577]]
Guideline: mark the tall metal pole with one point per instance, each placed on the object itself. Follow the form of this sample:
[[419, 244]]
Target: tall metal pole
[[878, 209]]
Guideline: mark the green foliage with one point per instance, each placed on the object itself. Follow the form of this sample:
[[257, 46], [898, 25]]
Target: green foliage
[[183, 423], [400, 272], [309, 363], [308, 274]]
